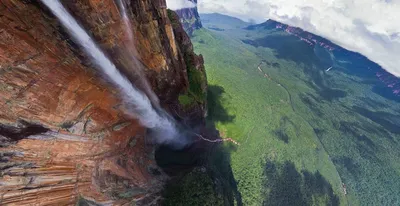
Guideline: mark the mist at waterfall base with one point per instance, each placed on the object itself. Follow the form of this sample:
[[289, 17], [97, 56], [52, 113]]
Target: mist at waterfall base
[[163, 128]]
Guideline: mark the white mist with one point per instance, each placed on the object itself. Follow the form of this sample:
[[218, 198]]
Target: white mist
[[138, 103], [131, 50]]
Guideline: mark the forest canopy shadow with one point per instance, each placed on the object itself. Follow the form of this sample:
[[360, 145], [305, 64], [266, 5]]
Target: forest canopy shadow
[[220, 167], [216, 110], [281, 133], [286, 47], [215, 184], [284, 185], [212, 185], [292, 49], [384, 119], [385, 92]]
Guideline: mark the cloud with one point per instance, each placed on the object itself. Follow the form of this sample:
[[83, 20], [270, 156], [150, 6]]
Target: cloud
[[180, 4], [370, 27]]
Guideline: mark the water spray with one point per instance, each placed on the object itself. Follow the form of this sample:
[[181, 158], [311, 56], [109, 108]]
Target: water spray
[[131, 50], [138, 104], [163, 127]]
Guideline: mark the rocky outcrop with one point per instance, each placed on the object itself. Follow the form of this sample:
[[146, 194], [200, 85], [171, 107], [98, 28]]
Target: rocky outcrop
[[63, 135], [190, 18], [194, 101]]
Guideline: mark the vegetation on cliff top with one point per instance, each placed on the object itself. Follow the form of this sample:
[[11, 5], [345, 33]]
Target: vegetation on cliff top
[[173, 17], [196, 78], [196, 92]]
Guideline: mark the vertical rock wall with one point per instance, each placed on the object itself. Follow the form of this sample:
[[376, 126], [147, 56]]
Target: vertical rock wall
[[63, 135]]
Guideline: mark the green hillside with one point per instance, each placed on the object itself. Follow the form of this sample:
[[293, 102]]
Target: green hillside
[[303, 132]]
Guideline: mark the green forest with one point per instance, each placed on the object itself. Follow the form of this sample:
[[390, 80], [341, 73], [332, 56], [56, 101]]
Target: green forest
[[307, 136]]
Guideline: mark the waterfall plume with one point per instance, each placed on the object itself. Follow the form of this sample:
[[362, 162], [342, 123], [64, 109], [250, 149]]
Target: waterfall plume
[[163, 127], [133, 55]]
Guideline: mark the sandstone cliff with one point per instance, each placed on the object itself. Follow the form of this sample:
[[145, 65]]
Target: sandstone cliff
[[63, 135], [190, 18]]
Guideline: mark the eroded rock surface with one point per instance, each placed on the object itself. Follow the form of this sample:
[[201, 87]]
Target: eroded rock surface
[[63, 135]]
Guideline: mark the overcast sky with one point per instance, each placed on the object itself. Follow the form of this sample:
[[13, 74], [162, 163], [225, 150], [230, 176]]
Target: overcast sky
[[370, 27]]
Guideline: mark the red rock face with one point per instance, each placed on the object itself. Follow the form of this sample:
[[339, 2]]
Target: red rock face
[[63, 135]]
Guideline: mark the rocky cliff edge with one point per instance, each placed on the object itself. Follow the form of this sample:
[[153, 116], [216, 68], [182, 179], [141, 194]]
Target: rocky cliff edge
[[63, 136]]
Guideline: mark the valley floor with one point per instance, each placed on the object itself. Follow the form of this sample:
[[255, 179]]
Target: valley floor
[[307, 136]]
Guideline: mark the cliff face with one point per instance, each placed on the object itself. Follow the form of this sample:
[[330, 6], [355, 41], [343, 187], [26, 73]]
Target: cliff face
[[190, 18], [63, 135]]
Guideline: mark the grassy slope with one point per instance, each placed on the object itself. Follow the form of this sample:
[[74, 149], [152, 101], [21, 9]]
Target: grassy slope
[[261, 108], [281, 120]]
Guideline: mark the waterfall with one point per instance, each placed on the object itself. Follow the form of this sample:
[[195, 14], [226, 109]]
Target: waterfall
[[131, 50], [138, 103]]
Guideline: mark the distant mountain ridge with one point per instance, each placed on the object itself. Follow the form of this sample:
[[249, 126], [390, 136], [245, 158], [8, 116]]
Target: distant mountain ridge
[[392, 82], [305, 36], [216, 18], [190, 18], [391, 87]]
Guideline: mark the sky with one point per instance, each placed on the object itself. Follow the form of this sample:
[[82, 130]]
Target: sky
[[369, 27], [179, 4]]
